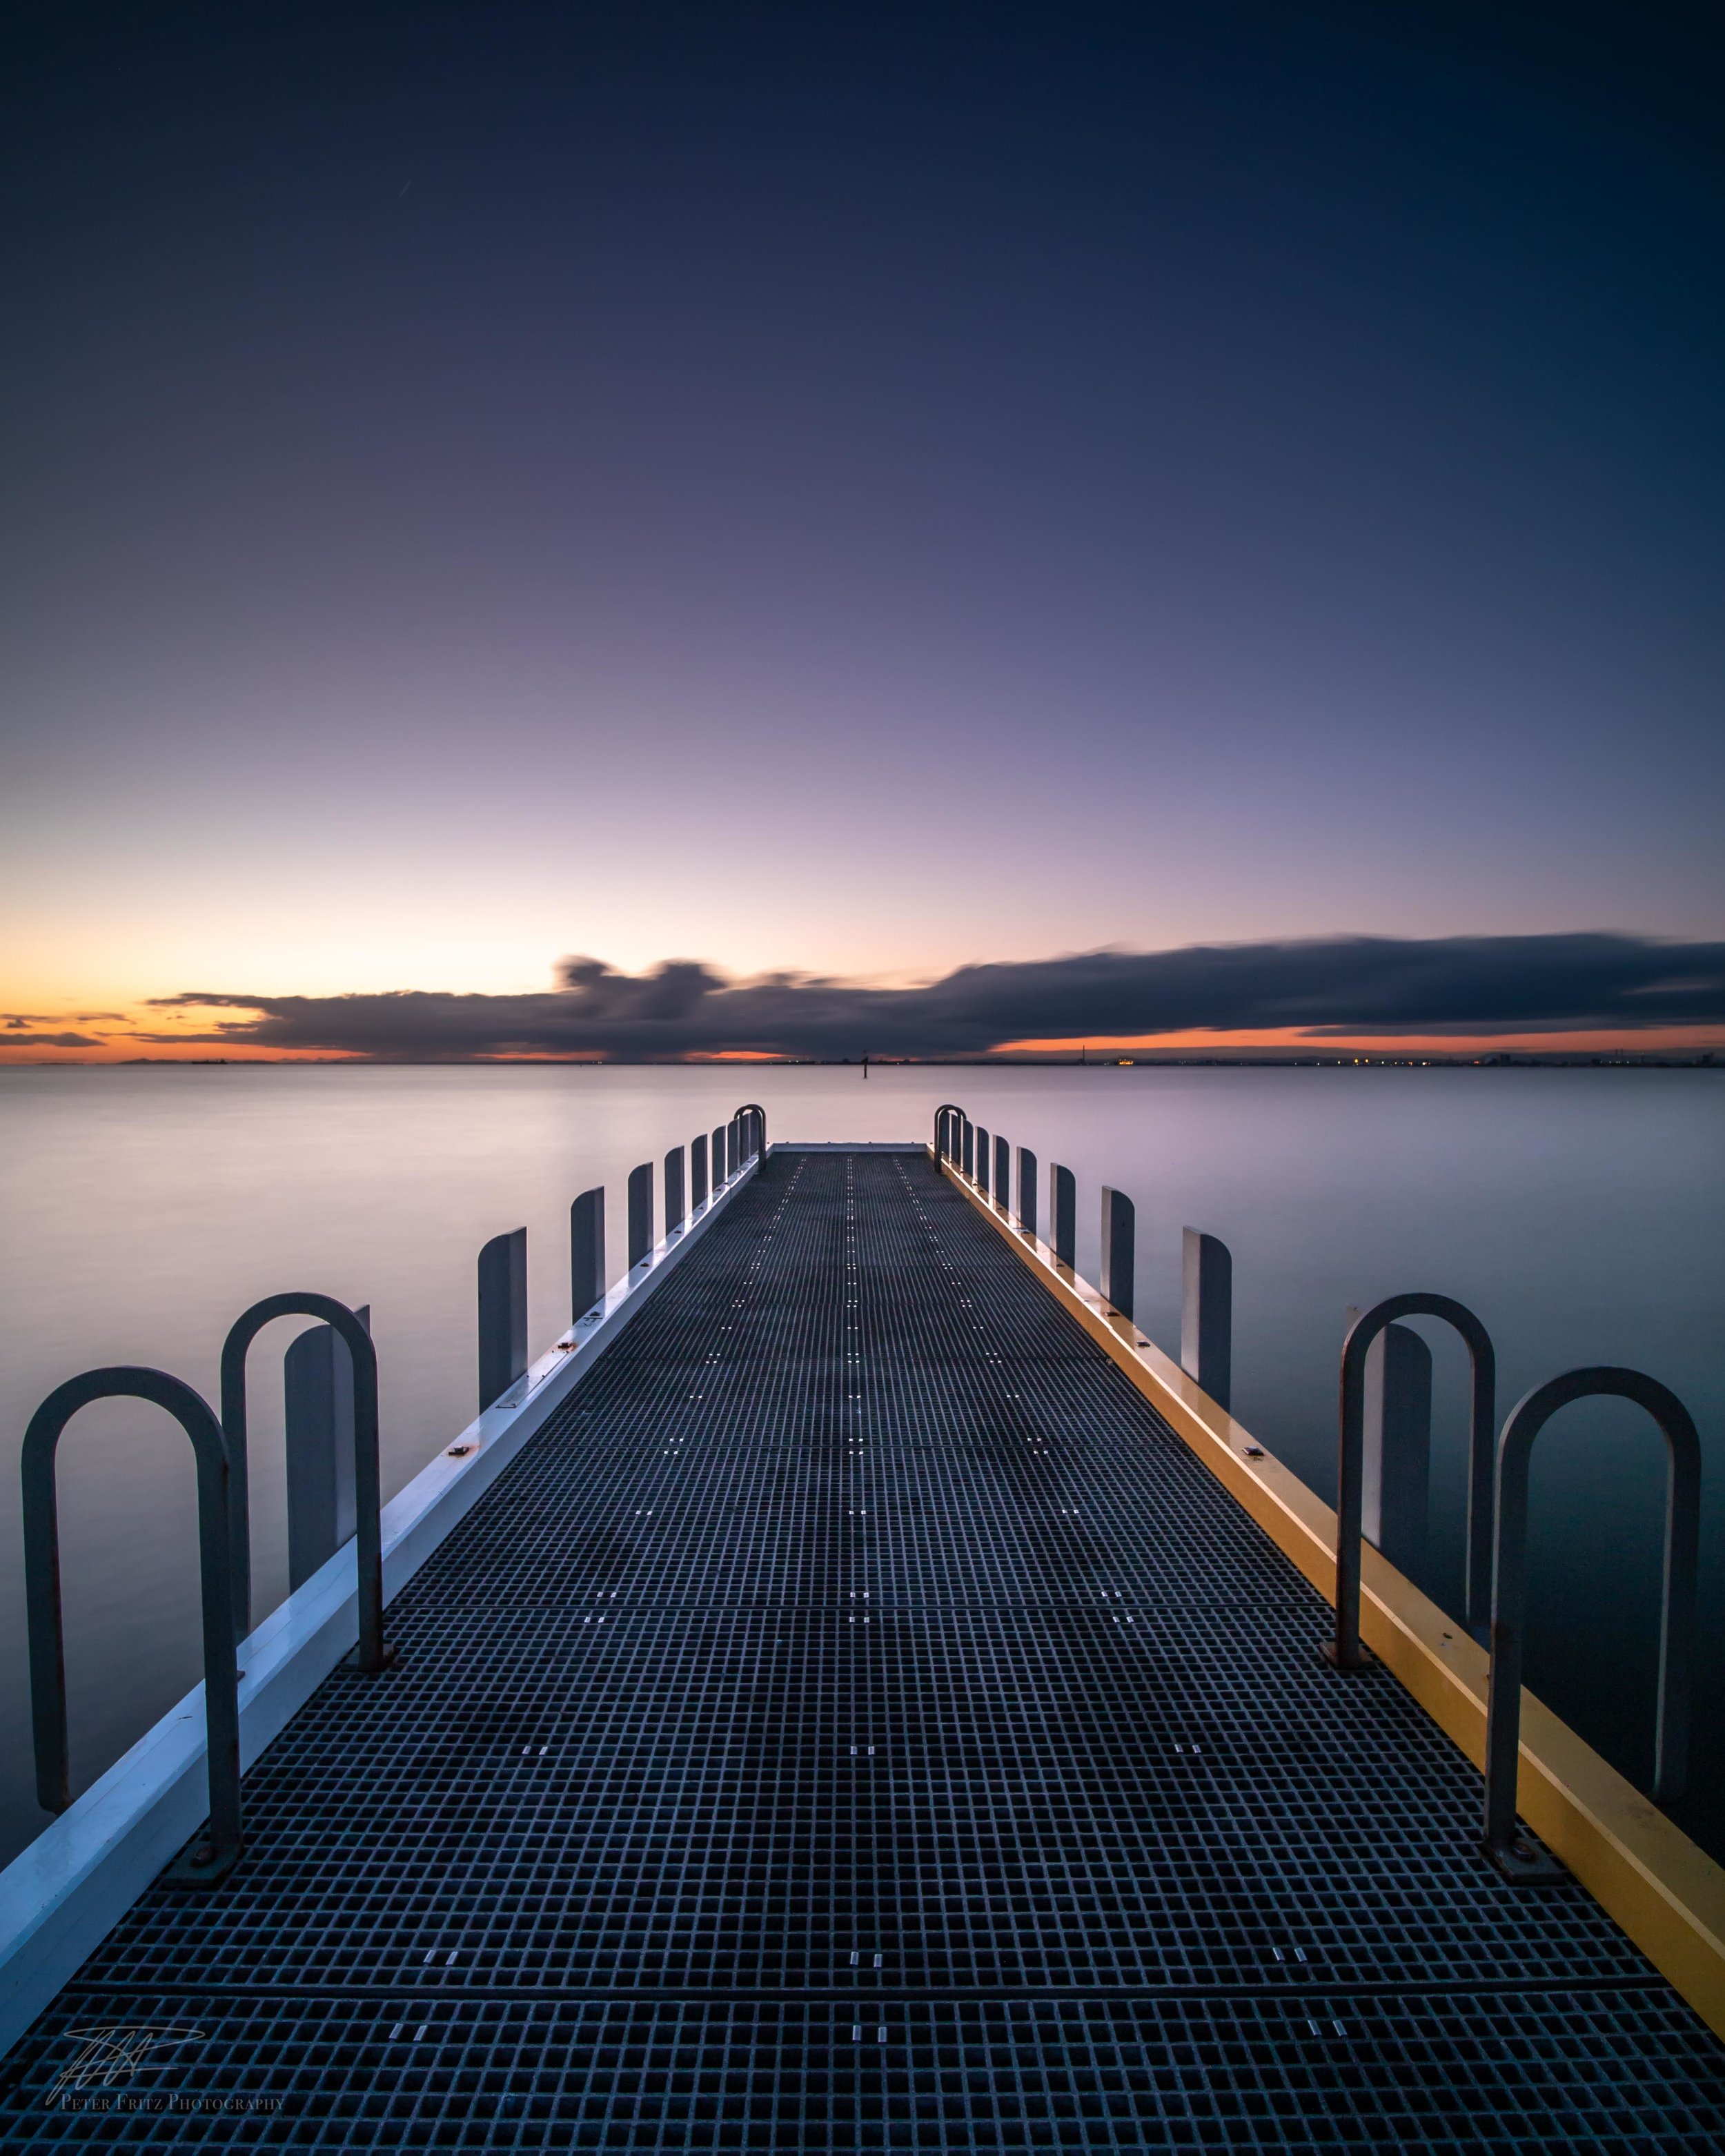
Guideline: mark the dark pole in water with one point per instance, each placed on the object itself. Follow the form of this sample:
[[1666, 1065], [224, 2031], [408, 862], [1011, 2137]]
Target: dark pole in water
[[1027, 1190], [317, 1390], [1395, 1495], [502, 1314], [697, 1172], [640, 1213], [1119, 1249], [1063, 1213], [673, 1190], [1207, 1314], [586, 1252]]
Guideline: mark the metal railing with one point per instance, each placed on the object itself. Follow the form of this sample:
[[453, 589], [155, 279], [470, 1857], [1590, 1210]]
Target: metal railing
[[1495, 1593], [1498, 1484], [211, 1859], [1344, 1652], [751, 1135], [372, 1654], [692, 1175], [1516, 1857], [221, 1448]]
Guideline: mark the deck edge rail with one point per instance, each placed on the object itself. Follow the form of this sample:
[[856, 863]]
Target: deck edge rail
[[64, 1892], [1665, 1891]]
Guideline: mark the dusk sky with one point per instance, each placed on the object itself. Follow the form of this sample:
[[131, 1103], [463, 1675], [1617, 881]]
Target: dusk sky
[[861, 492]]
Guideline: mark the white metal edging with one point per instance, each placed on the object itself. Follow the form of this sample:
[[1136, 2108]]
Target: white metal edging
[[61, 1897]]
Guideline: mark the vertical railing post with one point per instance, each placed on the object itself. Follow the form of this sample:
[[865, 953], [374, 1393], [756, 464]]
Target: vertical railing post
[[718, 1156], [502, 1315], [1395, 1486], [697, 1172], [640, 1213], [1063, 1213], [674, 1190], [1002, 1172], [967, 1143], [984, 1156], [317, 1402], [1120, 1238], [1027, 1190], [733, 1147], [586, 1253], [1207, 1314]]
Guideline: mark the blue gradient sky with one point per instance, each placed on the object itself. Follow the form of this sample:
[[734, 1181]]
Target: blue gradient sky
[[862, 490]]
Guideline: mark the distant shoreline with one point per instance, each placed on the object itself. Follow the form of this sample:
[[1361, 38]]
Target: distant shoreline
[[1519, 1059]]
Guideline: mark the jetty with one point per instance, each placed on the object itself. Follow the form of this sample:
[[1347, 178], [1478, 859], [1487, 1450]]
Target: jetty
[[854, 1690]]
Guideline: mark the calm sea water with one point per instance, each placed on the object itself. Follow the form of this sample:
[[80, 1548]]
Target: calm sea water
[[1579, 1211]]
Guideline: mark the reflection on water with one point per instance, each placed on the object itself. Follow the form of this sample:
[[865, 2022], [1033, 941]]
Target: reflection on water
[[1578, 1211]]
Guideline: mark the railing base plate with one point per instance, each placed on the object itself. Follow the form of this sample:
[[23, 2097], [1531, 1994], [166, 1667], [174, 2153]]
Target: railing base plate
[[188, 1872], [1523, 1865], [391, 1661]]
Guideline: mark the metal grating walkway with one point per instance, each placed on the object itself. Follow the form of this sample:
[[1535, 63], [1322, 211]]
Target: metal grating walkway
[[857, 1722]]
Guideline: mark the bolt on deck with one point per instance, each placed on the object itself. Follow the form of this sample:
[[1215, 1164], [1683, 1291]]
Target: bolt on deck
[[857, 1721]]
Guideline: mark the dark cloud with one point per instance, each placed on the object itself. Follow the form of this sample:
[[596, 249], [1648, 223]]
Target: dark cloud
[[24, 1030], [1345, 985]]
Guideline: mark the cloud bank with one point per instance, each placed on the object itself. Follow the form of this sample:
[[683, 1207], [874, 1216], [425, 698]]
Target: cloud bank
[[22, 1029], [1337, 987]]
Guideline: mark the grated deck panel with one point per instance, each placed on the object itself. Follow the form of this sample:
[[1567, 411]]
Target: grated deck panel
[[857, 1721]]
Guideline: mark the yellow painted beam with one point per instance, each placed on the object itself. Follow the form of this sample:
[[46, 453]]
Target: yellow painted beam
[[1666, 1893]]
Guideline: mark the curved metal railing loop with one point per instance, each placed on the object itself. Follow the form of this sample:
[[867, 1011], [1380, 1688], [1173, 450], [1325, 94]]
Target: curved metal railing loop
[[215, 1855], [367, 1487], [944, 1147], [1517, 1858], [757, 1114], [1345, 1652]]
